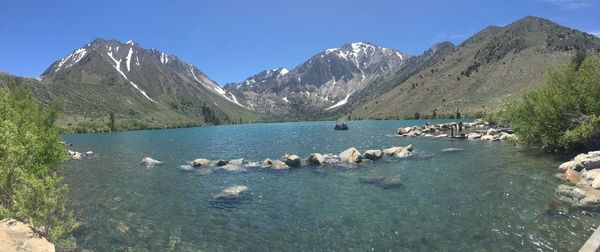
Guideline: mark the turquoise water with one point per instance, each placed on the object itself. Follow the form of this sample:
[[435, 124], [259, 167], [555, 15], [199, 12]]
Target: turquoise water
[[491, 196]]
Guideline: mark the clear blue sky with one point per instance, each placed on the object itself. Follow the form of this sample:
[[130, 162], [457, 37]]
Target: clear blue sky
[[231, 40]]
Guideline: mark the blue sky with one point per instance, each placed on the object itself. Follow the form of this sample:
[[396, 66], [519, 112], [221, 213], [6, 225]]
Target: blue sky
[[231, 40]]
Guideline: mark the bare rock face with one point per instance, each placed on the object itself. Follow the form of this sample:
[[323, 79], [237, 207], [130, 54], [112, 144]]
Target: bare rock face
[[18, 236], [351, 155]]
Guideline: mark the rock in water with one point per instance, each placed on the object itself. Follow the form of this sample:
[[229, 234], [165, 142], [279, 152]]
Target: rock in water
[[371, 179], [574, 165], [291, 160], [148, 161], [446, 150], [221, 162], [392, 182], [316, 159], [373, 154], [473, 135], [267, 163], [399, 151], [200, 162], [186, 168], [232, 195], [18, 236], [239, 161], [279, 165], [351, 156]]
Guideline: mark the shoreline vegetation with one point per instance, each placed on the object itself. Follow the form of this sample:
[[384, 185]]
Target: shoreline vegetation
[[31, 188]]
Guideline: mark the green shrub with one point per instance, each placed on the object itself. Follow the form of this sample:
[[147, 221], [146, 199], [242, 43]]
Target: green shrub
[[565, 112], [30, 155]]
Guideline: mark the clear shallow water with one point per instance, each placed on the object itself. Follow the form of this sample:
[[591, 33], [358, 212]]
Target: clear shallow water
[[491, 196]]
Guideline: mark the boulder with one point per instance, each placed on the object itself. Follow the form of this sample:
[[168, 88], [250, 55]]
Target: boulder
[[590, 175], [76, 156], [373, 154], [200, 162], [591, 163], [267, 163], [489, 138], [239, 161], [253, 165], [574, 165], [233, 193], [291, 160], [474, 135], [572, 176], [491, 132], [399, 151], [596, 183], [18, 236], [351, 155], [221, 162], [570, 194], [279, 165], [507, 137], [315, 159], [148, 161]]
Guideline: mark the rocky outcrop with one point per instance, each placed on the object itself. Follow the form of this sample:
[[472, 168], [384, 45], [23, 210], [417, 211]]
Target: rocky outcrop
[[18, 236], [315, 159], [351, 156], [200, 162], [373, 154]]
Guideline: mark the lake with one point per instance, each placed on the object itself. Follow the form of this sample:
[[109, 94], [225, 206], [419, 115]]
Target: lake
[[490, 196]]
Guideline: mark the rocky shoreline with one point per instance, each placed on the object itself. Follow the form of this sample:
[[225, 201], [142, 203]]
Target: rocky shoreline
[[582, 177], [477, 129]]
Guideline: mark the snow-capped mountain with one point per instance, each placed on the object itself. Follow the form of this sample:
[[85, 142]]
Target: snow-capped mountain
[[113, 74], [325, 81]]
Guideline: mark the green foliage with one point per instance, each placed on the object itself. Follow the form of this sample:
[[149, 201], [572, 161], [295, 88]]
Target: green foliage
[[30, 155], [565, 112]]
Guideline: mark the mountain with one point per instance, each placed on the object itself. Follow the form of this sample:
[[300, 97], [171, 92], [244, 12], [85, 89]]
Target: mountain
[[321, 84], [139, 86], [485, 73]]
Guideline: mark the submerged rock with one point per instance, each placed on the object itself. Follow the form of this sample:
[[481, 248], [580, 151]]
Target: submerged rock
[[373, 154], [351, 155], [315, 159], [186, 168], [232, 195], [291, 160], [148, 161], [233, 168], [386, 182], [200, 162], [447, 150]]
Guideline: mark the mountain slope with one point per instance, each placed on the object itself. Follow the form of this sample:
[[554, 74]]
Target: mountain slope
[[319, 85], [485, 73], [146, 86]]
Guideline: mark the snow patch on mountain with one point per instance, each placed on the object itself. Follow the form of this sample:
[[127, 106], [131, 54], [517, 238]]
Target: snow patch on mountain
[[72, 59], [342, 102], [117, 66], [129, 59]]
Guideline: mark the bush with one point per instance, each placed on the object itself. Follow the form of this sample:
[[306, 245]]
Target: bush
[[565, 112], [30, 155]]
